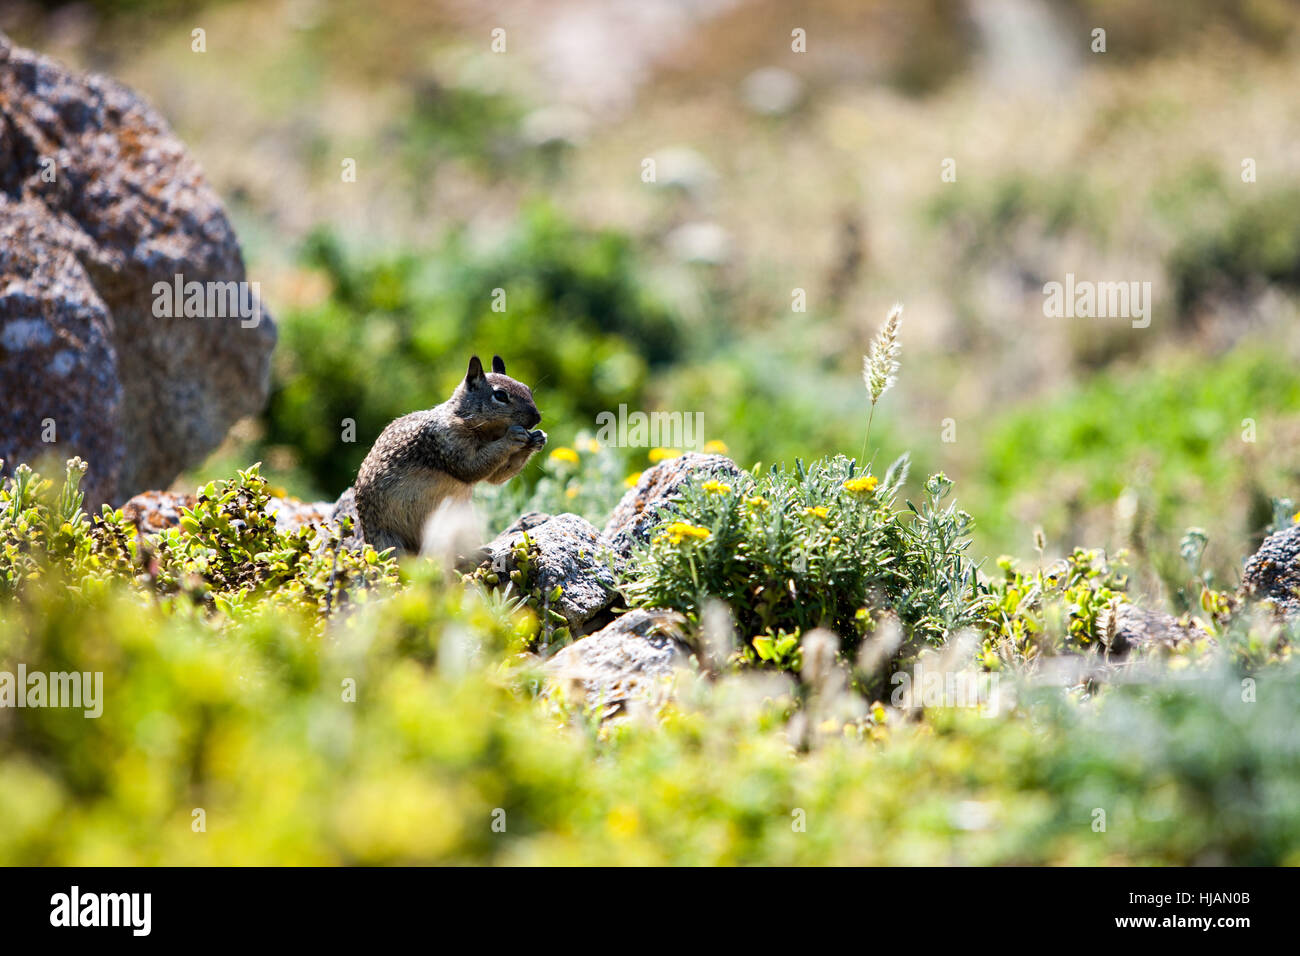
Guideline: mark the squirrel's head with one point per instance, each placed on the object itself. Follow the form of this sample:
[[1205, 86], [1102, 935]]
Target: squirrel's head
[[493, 401]]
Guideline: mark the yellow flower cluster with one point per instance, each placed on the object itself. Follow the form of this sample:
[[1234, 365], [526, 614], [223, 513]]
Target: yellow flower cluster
[[679, 531], [863, 485], [715, 447], [716, 488], [632, 479], [818, 512], [757, 502], [663, 454], [565, 455]]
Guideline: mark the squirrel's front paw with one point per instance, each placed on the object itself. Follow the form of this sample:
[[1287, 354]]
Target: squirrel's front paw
[[537, 439], [517, 435]]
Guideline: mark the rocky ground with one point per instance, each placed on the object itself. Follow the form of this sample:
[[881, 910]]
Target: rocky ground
[[619, 657]]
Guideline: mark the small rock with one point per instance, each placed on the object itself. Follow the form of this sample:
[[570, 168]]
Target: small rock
[[570, 553], [1139, 629], [1273, 572], [155, 511], [639, 510], [292, 514], [346, 506], [634, 658]]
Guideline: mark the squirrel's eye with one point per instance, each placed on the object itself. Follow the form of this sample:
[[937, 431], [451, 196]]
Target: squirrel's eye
[[501, 396]]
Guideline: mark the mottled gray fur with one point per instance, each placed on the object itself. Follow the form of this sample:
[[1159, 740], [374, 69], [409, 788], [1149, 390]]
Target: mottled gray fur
[[420, 460]]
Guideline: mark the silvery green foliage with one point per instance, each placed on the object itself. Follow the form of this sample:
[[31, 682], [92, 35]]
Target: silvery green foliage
[[817, 546]]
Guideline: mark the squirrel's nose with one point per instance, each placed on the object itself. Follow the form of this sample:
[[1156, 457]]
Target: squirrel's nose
[[537, 417]]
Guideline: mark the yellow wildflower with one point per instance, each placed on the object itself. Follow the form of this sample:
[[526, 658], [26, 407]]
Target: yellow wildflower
[[679, 531], [590, 445], [632, 479], [565, 454], [623, 821], [818, 512], [864, 484], [1296, 517], [757, 502], [571, 492], [663, 454], [715, 447], [716, 488]]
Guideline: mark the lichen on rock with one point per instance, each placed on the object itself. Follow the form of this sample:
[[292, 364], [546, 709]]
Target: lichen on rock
[[99, 202]]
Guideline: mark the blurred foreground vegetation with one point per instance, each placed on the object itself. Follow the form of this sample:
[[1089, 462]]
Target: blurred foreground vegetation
[[296, 707]]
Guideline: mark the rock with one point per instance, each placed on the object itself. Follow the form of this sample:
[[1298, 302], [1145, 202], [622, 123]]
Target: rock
[[346, 506], [638, 511], [570, 553], [1137, 629], [58, 361], [1273, 572], [99, 202], [634, 658], [526, 522], [155, 511], [292, 514]]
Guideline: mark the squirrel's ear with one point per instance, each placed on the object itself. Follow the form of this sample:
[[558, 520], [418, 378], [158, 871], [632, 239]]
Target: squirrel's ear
[[475, 373], [498, 365]]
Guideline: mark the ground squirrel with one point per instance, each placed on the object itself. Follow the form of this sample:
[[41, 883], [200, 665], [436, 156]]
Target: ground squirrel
[[420, 460]]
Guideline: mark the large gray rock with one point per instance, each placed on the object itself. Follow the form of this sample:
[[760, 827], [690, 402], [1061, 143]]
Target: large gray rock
[[98, 202], [634, 658], [568, 552], [639, 510], [1273, 572]]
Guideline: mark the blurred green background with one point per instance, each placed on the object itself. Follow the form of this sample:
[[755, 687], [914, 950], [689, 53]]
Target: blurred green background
[[776, 171]]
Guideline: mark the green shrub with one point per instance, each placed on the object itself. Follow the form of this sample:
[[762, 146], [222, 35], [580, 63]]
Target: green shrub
[[1171, 437], [1066, 607], [402, 740], [226, 554], [1257, 245], [819, 546]]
